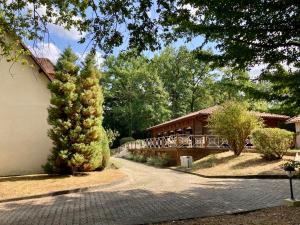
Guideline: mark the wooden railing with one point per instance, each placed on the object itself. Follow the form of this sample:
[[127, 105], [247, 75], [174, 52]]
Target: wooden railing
[[179, 141]]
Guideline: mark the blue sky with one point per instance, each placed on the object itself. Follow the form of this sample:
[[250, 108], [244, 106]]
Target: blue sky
[[60, 38]]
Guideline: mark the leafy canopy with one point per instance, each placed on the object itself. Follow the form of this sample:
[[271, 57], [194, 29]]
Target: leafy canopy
[[235, 123], [245, 32], [134, 95]]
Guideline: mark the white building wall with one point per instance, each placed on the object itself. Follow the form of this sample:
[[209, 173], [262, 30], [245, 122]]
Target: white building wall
[[24, 98]]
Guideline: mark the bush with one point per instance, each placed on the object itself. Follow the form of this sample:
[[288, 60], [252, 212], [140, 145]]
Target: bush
[[272, 143], [136, 157], [126, 139], [112, 136], [139, 158], [161, 160], [234, 122]]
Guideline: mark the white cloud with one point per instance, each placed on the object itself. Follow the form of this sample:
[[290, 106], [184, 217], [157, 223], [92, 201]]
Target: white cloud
[[59, 30], [46, 50], [72, 34]]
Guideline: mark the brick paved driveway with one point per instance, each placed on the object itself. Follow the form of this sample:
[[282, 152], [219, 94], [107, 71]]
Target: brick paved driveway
[[149, 195]]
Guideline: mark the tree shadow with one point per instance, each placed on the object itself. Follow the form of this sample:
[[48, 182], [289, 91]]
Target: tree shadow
[[31, 178], [212, 161], [144, 206], [253, 162]]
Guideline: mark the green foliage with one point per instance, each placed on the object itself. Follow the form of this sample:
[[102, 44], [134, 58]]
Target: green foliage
[[160, 160], [62, 113], [134, 95], [136, 157], [272, 143], [139, 158], [186, 79], [233, 122], [125, 140], [283, 88], [75, 114], [245, 33], [112, 135], [105, 149]]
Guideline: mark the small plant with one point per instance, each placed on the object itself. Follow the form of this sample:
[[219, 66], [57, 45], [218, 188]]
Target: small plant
[[112, 135], [130, 156], [160, 160], [272, 143], [291, 165], [139, 158]]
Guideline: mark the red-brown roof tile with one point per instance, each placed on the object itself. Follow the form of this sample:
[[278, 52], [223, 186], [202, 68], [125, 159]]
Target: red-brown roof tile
[[210, 110], [47, 66], [295, 119]]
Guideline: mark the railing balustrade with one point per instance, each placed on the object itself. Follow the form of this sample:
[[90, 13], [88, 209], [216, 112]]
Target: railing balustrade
[[179, 141]]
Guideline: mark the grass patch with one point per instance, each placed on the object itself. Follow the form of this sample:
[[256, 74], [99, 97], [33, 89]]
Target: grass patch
[[227, 164], [19, 186]]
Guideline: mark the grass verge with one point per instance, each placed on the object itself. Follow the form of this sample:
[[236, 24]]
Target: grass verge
[[227, 164], [21, 186]]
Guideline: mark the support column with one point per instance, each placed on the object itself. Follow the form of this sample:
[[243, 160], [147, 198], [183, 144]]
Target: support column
[[297, 125]]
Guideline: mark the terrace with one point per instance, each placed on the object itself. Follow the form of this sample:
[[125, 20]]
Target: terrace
[[179, 141]]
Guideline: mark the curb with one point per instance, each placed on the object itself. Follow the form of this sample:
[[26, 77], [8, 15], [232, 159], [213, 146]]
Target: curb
[[237, 177], [242, 212], [63, 192]]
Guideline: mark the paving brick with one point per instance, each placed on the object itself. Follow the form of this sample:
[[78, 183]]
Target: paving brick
[[150, 195]]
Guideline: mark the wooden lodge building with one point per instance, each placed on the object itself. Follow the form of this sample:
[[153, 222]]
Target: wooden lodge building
[[189, 136], [195, 123]]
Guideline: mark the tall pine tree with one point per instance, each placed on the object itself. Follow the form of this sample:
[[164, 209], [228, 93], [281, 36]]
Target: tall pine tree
[[63, 112], [92, 145], [75, 114]]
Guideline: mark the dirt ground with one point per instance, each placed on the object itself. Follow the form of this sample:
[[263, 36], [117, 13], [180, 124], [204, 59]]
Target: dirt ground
[[19, 186], [226, 164], [282, 215]]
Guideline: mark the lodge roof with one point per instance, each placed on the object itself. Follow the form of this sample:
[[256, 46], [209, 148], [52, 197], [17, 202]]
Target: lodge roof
[[47, 66], [41, 63], [210, 110], [295, 119]]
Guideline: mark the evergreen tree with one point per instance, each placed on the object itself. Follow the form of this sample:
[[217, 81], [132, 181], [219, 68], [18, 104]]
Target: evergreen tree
[[63, 112], [75, 114], [92, 149]]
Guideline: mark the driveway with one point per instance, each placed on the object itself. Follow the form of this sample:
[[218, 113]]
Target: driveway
[[149, 195]]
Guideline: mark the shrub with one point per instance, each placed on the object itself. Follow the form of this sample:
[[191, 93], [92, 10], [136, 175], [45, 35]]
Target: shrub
[[136, 157], [126, 139], [112, 136], [234, 122], [272, 143], [139, 158], [161, 160], [129, 156]]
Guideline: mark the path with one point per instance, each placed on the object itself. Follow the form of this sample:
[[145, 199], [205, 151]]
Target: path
[[149, 195]]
